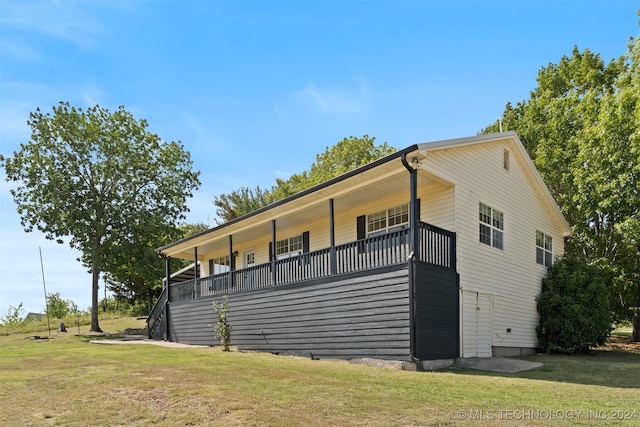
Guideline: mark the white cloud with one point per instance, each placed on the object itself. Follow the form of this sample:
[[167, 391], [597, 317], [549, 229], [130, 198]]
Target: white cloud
[[92, 95], [347, 100], [69, 21], [13, 126], [202, 137], [17, 49], [20, 98]]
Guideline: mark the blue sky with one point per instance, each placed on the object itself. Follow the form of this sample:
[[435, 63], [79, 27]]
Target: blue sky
[[255, 89]]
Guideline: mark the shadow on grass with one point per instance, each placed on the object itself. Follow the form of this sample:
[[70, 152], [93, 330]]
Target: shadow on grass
[[615, 365], [128, 332]]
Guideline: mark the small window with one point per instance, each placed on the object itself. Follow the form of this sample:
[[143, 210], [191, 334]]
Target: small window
[[387, 220], [491, 227], [544, 249], [218, 265], [377, 222], [289, 247]]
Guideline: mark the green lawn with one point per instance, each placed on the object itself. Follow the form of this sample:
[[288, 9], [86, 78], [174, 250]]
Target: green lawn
[[67, 381]]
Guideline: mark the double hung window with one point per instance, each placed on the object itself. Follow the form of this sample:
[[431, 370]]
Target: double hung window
[[387, 220], [544, 249], [289, 247], [219, 265], [491, 226]]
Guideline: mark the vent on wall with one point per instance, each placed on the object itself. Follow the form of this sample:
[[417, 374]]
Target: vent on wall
[[505, 160]]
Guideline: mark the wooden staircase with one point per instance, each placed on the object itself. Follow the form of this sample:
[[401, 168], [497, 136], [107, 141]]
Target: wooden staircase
[[157, 319]]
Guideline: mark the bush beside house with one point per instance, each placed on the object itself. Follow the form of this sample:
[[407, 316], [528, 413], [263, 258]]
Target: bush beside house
[[574, 309]]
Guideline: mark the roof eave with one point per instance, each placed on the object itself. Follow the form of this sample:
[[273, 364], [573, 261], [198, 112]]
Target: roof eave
[[293, 197]]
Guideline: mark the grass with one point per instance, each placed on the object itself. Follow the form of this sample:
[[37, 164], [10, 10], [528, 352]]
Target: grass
[[67, 381]]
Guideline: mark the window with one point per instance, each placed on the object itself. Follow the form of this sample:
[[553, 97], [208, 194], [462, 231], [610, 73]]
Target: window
[[218, 265], [544, 249], [387, 220], [289, 247], [505, 160], [491, 227]]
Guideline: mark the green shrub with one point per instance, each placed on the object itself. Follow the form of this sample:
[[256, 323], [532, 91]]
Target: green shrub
[[14, 317], [222, 326], [573, 307], [58, 308]]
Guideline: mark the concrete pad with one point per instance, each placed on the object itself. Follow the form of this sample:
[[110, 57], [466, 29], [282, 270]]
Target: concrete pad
[[436, 365], [385, 364], [146, 341], [497, 364]]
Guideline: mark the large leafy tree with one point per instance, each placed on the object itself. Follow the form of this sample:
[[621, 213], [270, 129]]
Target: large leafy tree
[[346, 155], [581, 126], [99, 179], [240, 202], [135, 272]]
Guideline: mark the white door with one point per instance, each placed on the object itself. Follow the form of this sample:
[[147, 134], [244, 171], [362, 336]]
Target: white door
[[477, 321], [249, 260]]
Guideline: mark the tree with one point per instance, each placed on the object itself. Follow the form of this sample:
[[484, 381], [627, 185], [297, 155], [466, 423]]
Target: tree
[[136, 274], [581, 126], [57, 307], [346, 155], [14, 317], [240, 202], [98, 178], [573, 307]]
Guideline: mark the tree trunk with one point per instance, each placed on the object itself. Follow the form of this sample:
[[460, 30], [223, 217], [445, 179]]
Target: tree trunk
[[95, 327], [635, 336]]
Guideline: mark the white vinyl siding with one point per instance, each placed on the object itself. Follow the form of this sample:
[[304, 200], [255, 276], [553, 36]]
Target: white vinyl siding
[[510, 275]]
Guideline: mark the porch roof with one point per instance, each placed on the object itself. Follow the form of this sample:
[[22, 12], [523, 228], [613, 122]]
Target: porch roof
[[311, 202]]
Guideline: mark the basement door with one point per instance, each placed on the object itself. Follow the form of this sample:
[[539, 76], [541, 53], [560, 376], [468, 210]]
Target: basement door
[[477, 321]]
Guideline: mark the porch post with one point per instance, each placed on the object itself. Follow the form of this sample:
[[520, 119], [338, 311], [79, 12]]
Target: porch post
[[414, 246], [232, 263], [168, 295], [195, 272], [413, 215], [273, 252], [333, 261], [167, 271], [414, 251]]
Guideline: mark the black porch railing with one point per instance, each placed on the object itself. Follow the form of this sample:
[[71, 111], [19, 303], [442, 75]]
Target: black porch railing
[[157, 313], [435, 246]]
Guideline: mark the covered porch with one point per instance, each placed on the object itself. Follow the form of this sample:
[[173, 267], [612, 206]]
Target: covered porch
[[361, 240], [437, 247]]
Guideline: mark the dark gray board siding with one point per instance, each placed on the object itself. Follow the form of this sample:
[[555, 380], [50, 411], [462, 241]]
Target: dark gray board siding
[[437, 312], [350, 316]]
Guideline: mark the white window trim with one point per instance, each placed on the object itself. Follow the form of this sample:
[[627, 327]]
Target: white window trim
[[220, 265], [546, 261], [295, 240], [404, 210], [494, 229]]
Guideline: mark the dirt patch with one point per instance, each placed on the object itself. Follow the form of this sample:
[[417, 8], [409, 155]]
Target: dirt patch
[[618, 343]]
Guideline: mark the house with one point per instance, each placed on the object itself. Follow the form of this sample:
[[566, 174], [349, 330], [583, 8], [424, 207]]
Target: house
[[346, 269]]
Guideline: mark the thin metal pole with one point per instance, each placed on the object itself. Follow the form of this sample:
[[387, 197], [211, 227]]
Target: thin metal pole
[[46, 302]]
